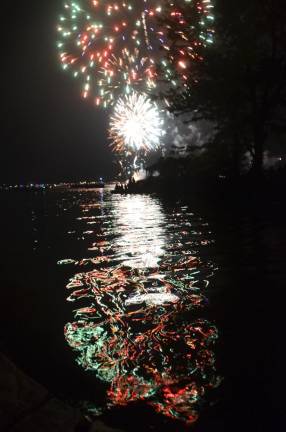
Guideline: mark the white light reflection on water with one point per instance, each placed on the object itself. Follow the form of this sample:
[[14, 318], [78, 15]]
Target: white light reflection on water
[[140, 222]]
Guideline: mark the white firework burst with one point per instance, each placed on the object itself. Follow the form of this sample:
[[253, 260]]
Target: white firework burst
[[136, 124]]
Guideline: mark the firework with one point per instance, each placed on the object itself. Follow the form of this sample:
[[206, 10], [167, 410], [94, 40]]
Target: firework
[[95, 37], [136, 124], [128, 72]]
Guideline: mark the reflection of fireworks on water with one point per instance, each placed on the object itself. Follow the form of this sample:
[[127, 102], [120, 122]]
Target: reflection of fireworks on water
[[136, 124], [145, 246], [137, 330], [137, 336]]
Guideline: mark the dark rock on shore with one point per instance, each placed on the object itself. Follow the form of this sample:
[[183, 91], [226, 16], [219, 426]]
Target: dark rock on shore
[[26, 405]]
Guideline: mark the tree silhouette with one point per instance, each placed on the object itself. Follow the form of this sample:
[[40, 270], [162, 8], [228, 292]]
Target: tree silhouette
[[241, 84]]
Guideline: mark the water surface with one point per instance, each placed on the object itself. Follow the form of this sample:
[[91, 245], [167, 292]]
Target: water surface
[[158, 300]]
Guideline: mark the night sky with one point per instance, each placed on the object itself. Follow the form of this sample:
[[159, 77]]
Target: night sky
[[49, 133]]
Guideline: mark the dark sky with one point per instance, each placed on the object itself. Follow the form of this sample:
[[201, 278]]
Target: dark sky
[[48, 133]]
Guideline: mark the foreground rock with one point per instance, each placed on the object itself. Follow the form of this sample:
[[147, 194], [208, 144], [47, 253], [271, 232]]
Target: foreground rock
[[27, 406]]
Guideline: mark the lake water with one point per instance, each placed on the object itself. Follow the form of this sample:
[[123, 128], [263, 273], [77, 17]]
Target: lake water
[[145, 310]]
